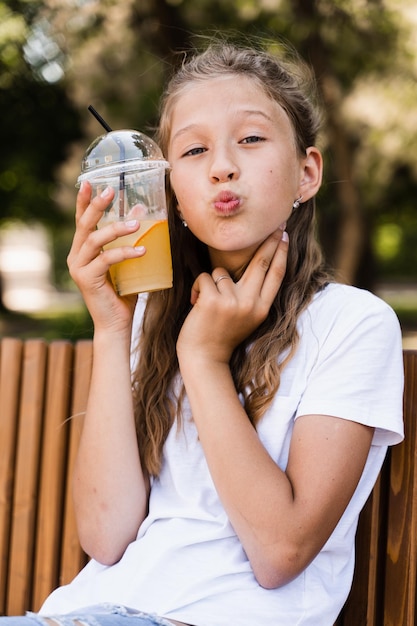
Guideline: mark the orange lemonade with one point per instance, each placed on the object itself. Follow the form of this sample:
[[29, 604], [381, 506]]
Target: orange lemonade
[[147, 273]]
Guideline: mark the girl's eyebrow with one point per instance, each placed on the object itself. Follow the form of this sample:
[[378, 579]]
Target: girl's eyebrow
[[256, 112], [242, 113], [183, 130]]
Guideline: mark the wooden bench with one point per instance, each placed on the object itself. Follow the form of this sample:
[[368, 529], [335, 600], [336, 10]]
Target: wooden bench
[[42, 386], [43, 393]]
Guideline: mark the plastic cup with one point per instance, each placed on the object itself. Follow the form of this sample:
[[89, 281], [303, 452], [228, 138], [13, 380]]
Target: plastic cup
[[133, 165]]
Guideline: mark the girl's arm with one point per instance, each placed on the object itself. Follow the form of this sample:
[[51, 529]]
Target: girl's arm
[[282, 518], [109, 487]]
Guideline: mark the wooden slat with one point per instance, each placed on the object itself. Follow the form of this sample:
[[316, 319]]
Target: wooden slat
[[364, 604], [401, 565], [53, 469], [374, 550], [26, 477], [10, 369], [73, 557]]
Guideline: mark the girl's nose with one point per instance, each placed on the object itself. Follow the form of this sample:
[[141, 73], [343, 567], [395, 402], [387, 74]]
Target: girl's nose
[[223, 169]]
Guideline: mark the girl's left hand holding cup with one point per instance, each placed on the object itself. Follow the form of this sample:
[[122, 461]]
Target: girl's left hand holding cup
[[224, 313], [89, 265]]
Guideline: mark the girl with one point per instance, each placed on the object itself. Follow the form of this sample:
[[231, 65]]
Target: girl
[[226, 488]]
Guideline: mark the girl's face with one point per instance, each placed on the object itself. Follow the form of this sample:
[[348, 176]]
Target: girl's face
[[235, 169]]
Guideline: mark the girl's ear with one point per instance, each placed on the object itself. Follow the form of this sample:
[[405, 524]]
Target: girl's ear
[[311, 174]]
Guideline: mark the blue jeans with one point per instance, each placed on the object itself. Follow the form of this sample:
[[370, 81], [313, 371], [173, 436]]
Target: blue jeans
[[104, 615]]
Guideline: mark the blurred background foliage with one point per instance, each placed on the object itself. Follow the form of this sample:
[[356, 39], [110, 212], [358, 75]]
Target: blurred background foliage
[[58, 56]]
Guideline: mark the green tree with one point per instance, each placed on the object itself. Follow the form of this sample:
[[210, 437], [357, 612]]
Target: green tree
[[37, 116]]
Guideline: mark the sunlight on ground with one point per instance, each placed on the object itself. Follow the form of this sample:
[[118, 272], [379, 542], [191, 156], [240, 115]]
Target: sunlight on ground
[[26, 271]]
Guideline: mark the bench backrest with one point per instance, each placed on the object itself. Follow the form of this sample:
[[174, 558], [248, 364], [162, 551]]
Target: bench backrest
[[42, 386], [43, 395], [385, 587]]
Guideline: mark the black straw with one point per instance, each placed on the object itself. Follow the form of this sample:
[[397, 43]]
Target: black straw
[[99, 118], [122, 174]]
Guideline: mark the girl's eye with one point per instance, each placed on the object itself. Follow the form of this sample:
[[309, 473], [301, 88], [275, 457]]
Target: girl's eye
[[194, 151], [252, 139]]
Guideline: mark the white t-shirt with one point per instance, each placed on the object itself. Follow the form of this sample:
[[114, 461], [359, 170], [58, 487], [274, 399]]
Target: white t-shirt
[[187, 563]]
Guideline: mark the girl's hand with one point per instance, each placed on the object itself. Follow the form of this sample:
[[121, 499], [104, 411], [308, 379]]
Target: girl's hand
[[225, 312], [89, 265]]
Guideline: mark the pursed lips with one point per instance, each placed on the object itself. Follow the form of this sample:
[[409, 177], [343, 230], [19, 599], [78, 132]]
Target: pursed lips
[[226, 202]]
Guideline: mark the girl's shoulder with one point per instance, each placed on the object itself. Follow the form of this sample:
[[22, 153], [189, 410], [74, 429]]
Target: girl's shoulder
[[345, 302], [351, 352], [340, 313], [338, 294]]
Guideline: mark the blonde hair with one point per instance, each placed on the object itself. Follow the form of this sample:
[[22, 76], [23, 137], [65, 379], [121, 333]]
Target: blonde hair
[[257, 363]]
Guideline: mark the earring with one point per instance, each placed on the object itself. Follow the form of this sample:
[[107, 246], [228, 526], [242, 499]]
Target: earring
[[183, 222], [297, 202]]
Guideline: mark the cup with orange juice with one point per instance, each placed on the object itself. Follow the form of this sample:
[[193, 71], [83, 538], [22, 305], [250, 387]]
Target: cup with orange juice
[[133, 165]]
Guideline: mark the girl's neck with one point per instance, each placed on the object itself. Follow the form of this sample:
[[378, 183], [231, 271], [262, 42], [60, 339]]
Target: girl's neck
[[234, 262]]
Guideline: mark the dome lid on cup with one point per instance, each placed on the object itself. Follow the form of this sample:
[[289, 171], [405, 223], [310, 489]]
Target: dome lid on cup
[[121, 151]]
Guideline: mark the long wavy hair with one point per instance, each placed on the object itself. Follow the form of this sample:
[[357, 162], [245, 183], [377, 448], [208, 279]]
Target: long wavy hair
[[257, 363]]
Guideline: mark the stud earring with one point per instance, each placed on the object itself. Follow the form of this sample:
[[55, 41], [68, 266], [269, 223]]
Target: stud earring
[[297, 202], [183, 222]]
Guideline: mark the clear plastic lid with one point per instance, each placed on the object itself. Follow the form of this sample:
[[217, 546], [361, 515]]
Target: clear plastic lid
[[120, 151]]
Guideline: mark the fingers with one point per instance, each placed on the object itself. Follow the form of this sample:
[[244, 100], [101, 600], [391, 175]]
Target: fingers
[[203, 280], [219, 274], [88, 210], [83, 199], [276, 271], [86, 260], [262, 278], [87, 238], [267, 268], [221, 277], [91, 246]]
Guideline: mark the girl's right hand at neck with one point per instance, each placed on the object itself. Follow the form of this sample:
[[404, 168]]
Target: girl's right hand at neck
[[89, 265], [224, 313]]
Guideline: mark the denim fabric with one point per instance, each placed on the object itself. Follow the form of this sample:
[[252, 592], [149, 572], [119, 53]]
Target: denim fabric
[[104, 615]]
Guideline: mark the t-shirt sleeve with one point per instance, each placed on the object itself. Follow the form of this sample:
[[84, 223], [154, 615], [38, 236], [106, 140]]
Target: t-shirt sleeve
[[358, 373]]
